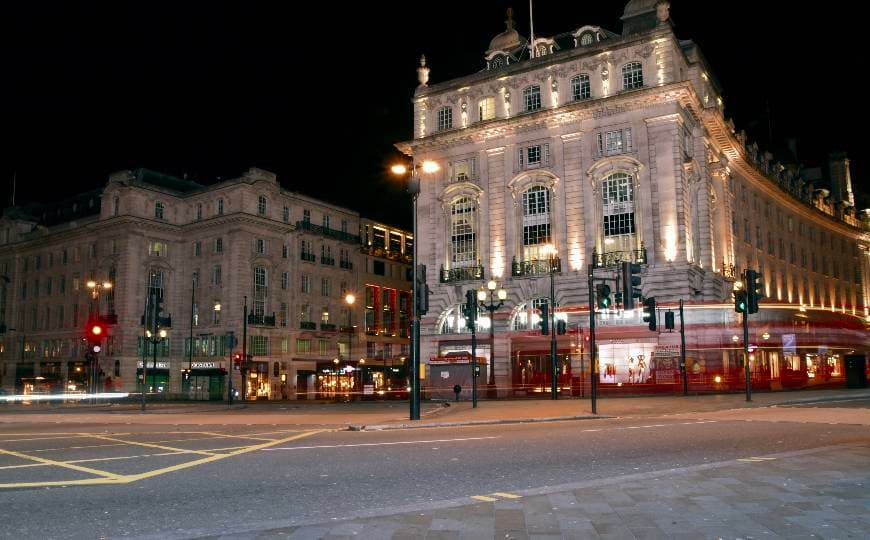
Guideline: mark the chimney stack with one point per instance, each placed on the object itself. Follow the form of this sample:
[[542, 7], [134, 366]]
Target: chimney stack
[[841, 178]]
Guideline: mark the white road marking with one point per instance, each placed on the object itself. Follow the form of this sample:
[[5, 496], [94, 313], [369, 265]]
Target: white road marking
[[376, 444]]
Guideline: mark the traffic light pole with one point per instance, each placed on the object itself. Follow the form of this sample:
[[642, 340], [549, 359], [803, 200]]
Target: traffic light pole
[[746, 356], [554, 383], [154, 330], [473, 320], [244, 347], [593, 367], [683, 352]]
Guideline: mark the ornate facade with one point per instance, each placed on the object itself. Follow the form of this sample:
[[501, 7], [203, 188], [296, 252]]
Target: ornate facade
[[615, 147], [208, 251]]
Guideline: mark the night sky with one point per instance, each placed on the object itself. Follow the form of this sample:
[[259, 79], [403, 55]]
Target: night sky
[[320, 96]]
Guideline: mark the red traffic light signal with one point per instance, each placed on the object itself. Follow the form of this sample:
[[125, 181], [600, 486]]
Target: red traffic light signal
[[96, 332], [237, 358]]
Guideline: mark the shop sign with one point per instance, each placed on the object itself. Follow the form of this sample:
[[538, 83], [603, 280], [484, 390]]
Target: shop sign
[[789, 344], [368, 389], [204, 365], [160, 365], [455, 358], [445, 374]]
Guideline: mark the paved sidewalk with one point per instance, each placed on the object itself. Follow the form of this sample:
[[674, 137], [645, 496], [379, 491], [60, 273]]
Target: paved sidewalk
[[394, 414], [818, 493]]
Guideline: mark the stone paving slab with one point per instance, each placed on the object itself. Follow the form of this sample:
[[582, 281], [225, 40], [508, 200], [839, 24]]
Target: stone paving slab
[[818, 493]]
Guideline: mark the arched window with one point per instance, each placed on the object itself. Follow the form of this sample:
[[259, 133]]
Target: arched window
[[536, 222], [454, 322], [527, 316], [580, 87], [261, 205], [632, 76], [586, 39], [532, 98], [445, 118], [541, 50], [496, 63], [158, 210], [617, 205], [260, 291], [463, 242]]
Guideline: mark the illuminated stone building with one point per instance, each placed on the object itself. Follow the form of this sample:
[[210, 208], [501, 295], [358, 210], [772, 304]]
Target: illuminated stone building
[[204, 249], [615, 147]]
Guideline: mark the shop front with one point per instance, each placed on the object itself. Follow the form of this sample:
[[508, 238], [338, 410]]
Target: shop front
[[204, 382], [77, 377], [338, 380], [383, 378], [157, 377], [257, 381]]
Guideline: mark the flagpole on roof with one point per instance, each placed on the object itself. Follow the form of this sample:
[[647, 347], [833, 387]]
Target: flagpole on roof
[[531, 32]]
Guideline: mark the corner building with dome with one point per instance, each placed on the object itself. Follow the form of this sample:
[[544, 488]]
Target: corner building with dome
[[610, 147]]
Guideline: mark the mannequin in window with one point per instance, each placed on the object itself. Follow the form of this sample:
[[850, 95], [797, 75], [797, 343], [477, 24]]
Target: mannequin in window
[[631, 369]]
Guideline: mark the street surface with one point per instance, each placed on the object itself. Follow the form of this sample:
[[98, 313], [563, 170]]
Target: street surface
[[100, 479]]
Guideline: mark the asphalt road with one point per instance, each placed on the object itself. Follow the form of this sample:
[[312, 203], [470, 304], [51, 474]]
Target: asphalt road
[[191, 481]]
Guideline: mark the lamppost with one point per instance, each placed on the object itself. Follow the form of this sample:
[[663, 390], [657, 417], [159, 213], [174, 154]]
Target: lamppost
[[96, 287], [154, 336], [427, 167], [491, 307], [349, 299], [550, 251]]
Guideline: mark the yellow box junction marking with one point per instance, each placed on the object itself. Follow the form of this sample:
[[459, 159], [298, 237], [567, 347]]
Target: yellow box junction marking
[[113, 478], [492, 497], [484, 498]]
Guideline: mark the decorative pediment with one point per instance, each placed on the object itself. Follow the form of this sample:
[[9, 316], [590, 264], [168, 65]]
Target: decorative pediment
[[457, 190], [613, 164], [528, 179]]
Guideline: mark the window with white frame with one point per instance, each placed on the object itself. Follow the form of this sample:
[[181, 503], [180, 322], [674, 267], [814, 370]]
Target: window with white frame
[[261, 246], [534, 156], [261, 205], [486, 108], [536, 222], [156, 248], [158, 209], [282, 315], [617, 204], [445, 118], [531, 98], [464, 170], [580, 88], [587, 39], [632, 76], [614, 142], [218, 245], [305, 283], [260, 291], [324, 287], [463, 213], [155, 283], [216, 277]]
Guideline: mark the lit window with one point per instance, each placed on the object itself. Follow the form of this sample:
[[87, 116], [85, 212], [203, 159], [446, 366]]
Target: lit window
[[486, 108], [158, 210], [586, 39], [536, 222], [462, 236]]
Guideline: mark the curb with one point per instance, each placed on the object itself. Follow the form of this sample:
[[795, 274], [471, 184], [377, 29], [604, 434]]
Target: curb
[[822, 399], [383, 427]]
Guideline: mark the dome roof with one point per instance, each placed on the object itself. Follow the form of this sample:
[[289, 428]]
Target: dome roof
[[637, 7], [508, 40]]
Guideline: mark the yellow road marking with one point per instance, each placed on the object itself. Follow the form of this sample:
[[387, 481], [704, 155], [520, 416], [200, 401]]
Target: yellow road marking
[[70, 436], [236, 436], [92, 460], [507, 495], [484, 498], [104, 474], [151, 445], [111, 478], [216, 457]]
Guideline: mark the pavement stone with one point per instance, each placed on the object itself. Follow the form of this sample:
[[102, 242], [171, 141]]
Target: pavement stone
[[789, 497]]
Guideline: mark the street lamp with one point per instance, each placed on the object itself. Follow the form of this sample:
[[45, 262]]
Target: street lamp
[[491, 307], [550, 251], [427, 167], [349, 299]]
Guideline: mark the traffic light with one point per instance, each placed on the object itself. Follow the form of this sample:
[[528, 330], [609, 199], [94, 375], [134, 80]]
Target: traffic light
[[669, 320], [422, 290], [470, 308], [237, 360], [740, 301], [649, 312], [630, 284], [561, 327], [602, 292], [545, 319], [754, 290], [96, 331]]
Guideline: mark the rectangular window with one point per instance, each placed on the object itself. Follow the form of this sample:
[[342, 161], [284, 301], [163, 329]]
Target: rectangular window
[[379, 238], [284, 251], [259, 345], [157, 249], [324, 287], [282, 315], [326, 221], [303, 345], [285, 280], [580, 88], [218, 245], [322, 346], [197, 248], [286, 214], [306, 216], [532, 98], [306, 283], [216, 278], [486, 109], [220, 209], [261, 246], [445, 118], [395, 242], [199, 212], [614, 142]]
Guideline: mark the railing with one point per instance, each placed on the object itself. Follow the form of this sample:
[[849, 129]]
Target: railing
[[346, 329], [325, 231], [468, 273], [327, 327], [386, 253], [535, 267], [615, 258], [261, 320], [327, 260], [345, 264], [307, 325], [306, 256]]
